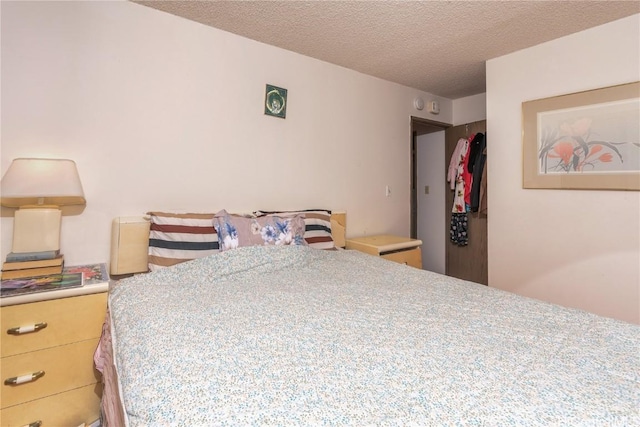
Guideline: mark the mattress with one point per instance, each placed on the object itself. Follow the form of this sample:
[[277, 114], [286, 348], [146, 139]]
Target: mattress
[[297, 336]]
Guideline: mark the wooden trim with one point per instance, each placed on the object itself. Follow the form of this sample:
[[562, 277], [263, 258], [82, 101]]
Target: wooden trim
[[339, 228]]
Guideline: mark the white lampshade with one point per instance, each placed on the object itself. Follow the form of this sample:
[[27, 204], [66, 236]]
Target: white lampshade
[[31, 181], [39, 187]]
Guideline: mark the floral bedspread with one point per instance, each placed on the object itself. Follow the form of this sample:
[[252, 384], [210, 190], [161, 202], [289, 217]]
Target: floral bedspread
[[293, 336]]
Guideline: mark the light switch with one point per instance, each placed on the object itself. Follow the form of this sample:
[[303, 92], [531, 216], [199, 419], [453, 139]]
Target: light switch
[[426, 189]]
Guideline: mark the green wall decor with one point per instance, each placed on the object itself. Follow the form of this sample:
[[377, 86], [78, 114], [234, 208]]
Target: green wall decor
[[275, 103]]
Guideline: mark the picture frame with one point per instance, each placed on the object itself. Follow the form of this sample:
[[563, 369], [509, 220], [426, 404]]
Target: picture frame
[[586, 140], [275, 101]]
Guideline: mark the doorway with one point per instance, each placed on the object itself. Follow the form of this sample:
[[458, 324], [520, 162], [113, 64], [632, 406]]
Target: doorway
[[430, 191], [467, 262]]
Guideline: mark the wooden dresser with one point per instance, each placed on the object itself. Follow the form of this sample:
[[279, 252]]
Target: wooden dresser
[[394, 248], [48, 375]]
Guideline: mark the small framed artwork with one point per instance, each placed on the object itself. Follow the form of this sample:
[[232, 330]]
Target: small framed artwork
[[587, 140], [275, 102]]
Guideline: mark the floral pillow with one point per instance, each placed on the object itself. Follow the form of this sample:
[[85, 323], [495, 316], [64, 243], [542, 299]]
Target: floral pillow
[[317, 225], [235, 231]]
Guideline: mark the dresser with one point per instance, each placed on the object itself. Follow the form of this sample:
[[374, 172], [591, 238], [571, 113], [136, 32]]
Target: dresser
[[46, 349], [394, 248]]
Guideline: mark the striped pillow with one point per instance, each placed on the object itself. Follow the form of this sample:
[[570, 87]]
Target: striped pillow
[[317, 226], [175, 238]]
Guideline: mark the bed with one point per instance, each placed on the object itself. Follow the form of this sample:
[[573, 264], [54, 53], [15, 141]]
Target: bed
[[292, 335]]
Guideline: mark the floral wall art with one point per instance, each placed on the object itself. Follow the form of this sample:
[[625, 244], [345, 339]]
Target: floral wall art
[[585, 140]]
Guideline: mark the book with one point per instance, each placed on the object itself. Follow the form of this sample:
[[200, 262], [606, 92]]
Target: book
[[19, 265], [31, 256], [52, 282], [92, 273], [31, 272]]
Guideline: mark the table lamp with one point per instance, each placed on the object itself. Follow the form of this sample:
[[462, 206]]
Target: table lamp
[[39, 187]]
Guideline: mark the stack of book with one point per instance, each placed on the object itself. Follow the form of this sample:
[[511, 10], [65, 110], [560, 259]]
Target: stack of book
[[32, 264]]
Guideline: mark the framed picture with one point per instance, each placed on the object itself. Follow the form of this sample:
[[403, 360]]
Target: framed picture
[[275, 101], [587, 140]]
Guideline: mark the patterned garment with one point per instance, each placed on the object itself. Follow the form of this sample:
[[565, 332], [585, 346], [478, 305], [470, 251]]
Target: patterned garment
[[457, 175], [458, 230]]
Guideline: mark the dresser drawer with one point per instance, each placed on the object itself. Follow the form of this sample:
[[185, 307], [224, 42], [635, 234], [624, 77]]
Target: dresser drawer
[[68, 320], [411, 257], [65, 367], [68, 409]]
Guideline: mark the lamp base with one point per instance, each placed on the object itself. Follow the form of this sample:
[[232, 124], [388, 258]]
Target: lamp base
[[36, 230]]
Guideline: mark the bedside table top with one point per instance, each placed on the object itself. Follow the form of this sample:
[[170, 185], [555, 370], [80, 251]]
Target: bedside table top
[[382, 243], [96, 280], [94, 288]]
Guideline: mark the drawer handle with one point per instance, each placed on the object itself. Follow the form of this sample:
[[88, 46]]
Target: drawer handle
[[24, 378], [33, 424], [27, 329]]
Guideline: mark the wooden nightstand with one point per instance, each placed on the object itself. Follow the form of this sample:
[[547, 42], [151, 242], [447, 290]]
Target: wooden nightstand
[[399, 249], [53, 365]]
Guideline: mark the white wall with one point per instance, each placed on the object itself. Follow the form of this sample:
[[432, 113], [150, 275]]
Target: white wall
[[163, 113], [575, 248], [431, 225], [470, 109]]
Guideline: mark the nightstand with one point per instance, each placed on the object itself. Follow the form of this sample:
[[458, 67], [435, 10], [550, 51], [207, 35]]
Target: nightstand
[[394, 248], [48, 374]]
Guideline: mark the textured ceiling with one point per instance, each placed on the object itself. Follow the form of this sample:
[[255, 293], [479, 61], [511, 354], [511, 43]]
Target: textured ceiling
[[436, 46]]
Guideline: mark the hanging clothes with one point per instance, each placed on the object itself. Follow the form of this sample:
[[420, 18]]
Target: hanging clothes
[[458, 229], [476, 145], [459, 180], [458, 155], [476, 167], [467, 177], [482, 206]]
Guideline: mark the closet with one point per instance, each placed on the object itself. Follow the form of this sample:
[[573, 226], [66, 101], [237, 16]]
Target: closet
[[467, 262], [434, 142]]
